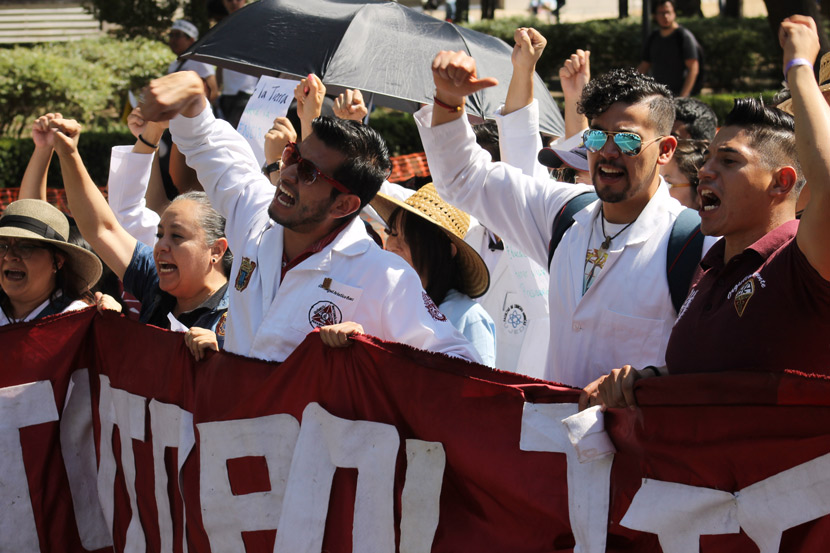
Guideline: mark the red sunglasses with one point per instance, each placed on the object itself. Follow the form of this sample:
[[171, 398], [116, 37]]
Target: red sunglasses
[[306, 170]]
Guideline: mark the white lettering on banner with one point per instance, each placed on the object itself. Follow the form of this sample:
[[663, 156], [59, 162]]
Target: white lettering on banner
[[325, 443], [78, 450], [225, 515], [589, 484], [20, 406], [127, 411], [171, 426], [420, 510], [680, 514], [763, 510]]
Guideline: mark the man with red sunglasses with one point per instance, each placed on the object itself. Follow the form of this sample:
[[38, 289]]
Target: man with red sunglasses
[[302, 257], [609, 292]]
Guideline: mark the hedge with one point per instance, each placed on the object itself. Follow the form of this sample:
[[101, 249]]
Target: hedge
[[94, 148], [87, 80], [740, 54]]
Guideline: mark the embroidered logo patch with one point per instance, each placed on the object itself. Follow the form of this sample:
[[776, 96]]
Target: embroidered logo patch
[[743, 295], [434, 312], [324, 313], [246, 269], [220, 326], [514, 319]]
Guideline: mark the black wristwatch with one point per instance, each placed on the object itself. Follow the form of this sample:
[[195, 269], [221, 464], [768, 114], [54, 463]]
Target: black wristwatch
[[269, 168]]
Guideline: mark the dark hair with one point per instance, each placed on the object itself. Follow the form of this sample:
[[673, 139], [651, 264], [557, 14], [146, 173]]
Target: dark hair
[[630, 87], [487, 136], [771, 132], [659, 3], [689, 158], [367, 157], [699, 118], [211, 222], [431, 251], [109, 282]]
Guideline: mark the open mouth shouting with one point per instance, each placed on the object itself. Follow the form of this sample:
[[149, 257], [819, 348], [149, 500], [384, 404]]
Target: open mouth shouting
[[709, 201], [13, 275], [609, 173], [284, 197], [165, 268]]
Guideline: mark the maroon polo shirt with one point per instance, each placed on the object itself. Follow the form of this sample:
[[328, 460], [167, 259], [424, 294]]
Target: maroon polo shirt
[[767, 309]]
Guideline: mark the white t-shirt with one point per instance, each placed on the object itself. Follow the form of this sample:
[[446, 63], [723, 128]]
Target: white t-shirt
[[202, 69], [234, 82]]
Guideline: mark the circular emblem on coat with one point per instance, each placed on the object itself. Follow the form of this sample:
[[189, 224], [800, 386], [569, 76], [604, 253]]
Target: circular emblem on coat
[[324, 313], [434, 312], [514, 319]]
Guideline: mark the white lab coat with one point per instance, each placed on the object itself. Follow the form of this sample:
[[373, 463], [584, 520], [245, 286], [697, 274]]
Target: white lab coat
[[351, 279], [627, 315], [128, 179]]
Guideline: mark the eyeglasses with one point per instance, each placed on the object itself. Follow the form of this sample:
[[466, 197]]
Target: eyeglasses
[[306, 170], [629, 143], [23, 250]]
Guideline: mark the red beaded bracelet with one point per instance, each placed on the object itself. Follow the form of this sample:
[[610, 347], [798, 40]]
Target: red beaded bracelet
[[451, 109]]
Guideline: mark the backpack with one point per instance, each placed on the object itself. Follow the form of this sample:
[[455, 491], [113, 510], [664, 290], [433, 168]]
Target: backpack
[[684, 249]]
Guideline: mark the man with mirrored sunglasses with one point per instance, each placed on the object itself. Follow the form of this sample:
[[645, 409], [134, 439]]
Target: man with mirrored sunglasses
[[609, 293], [302, 258]]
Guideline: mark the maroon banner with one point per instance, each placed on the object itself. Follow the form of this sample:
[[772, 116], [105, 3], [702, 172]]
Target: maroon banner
[[114, 438]]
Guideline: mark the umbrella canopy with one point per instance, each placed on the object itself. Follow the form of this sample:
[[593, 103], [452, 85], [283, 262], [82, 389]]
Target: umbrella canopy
[[382, 48]]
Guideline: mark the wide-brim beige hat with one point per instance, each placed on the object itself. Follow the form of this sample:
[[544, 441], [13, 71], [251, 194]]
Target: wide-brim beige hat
[[427, 204], [39, 220], [823, 84]]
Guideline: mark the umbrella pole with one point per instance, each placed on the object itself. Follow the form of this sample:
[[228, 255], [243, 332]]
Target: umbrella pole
[[369, 105]]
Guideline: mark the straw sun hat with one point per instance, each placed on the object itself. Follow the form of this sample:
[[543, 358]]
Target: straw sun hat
[[426, 203], [39, 220], [823, 83]]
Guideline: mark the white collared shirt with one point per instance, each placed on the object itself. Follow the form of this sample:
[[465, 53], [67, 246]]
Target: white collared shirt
[[626, 316], [351, 279]]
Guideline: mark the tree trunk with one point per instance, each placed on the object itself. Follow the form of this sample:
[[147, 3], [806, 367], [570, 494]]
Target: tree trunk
[[624, 8], [689, 8], [777, 10], [825, 8], [732, 8]]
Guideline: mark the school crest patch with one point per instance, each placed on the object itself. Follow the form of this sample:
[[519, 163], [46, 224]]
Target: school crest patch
[[743, 295], [514, 319], [434, 312], [243, 277], [220, 326], [324, 313]]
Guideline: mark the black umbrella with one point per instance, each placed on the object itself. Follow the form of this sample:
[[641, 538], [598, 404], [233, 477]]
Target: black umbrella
[[382, 48]]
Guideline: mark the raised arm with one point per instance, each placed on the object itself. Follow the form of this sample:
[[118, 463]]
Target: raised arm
[[350, 105], [799, 39], [133, 171], [574, 75], [278, 136], [526, 52], [224, 162], [309, 93], [33, 185], [517, 207], [92, 214], [518, 120]]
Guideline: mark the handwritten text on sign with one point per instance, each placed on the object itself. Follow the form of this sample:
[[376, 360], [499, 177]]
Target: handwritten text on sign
[[271, 99]]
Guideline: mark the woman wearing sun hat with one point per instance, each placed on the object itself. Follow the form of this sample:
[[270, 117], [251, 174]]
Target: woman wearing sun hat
[[40, 272], [429, 234]]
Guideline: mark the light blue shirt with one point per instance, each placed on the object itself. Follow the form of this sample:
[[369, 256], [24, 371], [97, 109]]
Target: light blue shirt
[[473, 322]]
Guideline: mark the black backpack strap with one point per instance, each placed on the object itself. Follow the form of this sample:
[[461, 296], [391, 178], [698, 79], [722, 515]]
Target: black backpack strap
[[565, 218], [684, 252]]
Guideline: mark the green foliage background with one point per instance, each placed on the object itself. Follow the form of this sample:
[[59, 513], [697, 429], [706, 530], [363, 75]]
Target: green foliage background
[[89, 79]]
